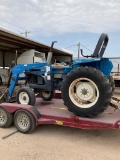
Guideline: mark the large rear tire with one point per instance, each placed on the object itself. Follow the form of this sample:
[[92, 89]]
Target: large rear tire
[[26, 95], [86, 92]]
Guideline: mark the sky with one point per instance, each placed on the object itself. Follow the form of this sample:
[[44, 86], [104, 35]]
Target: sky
[[67, 21]]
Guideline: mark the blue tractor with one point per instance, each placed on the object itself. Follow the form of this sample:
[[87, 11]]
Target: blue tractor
[[85, 83]]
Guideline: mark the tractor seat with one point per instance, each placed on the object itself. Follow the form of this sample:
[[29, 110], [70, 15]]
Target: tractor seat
[[58, 66]]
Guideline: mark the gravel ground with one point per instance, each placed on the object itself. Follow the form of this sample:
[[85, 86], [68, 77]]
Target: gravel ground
[[52, 142]]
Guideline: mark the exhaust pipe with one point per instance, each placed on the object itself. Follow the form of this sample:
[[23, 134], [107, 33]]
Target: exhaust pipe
[[49, 57]]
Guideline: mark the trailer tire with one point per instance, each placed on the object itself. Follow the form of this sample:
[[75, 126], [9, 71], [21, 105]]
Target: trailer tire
[[6, 118], [86, 92], [26, 95], [47, 95], [112, 83], [24, 121]]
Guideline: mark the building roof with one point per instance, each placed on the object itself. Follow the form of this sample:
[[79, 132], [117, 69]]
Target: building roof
[[10, 41]]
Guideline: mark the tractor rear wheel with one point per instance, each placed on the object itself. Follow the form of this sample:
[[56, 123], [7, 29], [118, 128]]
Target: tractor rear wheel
[[86, 92], [26, 95]]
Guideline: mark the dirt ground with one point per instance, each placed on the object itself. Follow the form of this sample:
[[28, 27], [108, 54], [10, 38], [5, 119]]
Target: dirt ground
[[52, 142]]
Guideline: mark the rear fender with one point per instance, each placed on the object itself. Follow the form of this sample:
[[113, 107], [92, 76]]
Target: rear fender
[[103, 64]]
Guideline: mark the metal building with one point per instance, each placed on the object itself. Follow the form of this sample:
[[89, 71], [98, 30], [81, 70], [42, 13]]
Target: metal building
[[12, 44]]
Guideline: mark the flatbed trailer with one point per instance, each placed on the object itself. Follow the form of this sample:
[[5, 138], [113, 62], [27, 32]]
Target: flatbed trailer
[[26, 118]]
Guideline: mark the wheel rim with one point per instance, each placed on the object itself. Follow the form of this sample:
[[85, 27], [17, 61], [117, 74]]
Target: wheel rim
[[46, 94], [23, 98], [3, 117], [23, 121], [83, 92]]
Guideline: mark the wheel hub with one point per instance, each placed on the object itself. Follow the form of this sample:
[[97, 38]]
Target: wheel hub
[[85, 91], [23, 121], [23, 98], [46, 93]]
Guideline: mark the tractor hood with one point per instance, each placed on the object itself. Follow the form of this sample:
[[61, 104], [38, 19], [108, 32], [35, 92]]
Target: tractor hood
[[86, 60]]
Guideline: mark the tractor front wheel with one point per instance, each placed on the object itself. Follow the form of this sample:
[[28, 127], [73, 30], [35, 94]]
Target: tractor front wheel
[[26, 95], [86, 92]]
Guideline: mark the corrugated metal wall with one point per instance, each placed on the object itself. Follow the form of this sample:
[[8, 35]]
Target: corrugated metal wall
[[7, 59]]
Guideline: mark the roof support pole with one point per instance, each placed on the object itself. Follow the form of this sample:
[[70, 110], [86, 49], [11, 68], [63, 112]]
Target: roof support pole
[[3, 59]]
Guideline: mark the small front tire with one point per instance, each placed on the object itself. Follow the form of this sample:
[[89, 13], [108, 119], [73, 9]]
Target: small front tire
[[26, 95]]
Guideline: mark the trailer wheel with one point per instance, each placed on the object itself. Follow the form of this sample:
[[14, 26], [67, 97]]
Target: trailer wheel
[[26, 95], [0, 80], [47, 95], [6, 118], [86, 91], [112, 83], [24, 121]]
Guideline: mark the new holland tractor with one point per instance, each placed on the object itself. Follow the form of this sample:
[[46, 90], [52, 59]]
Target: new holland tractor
[[85, 83]]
